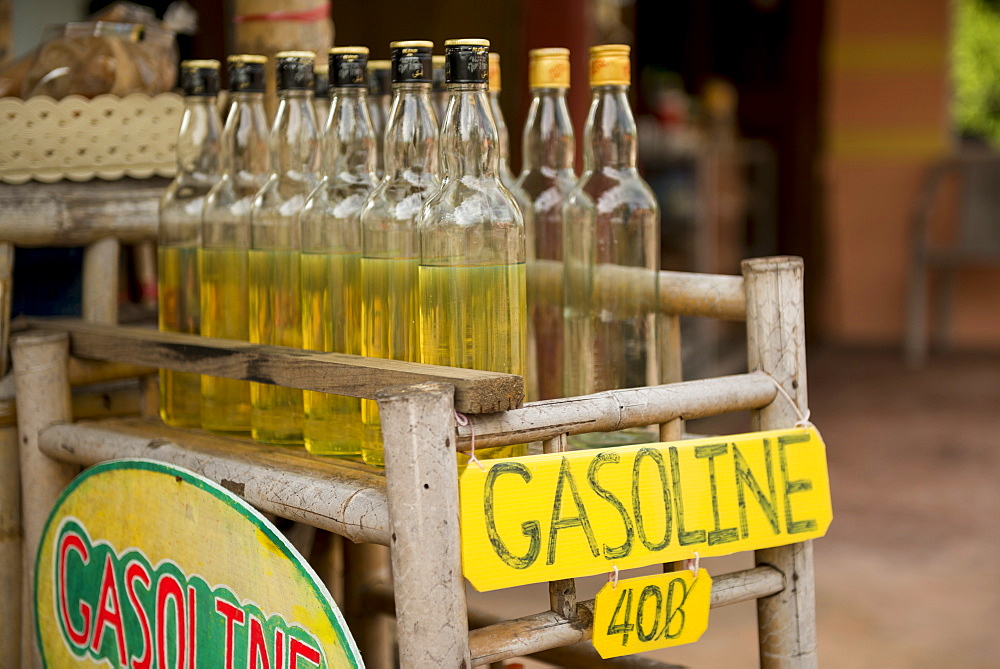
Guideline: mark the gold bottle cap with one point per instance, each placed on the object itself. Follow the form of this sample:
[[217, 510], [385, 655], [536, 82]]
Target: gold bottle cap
[[494, 71], [379, 64], [610, 65], [200, 64], [247, 58], [362, 50], [467, 42], [321, 68], [411, 43], [549, 68], [295, 54], [437, 62]]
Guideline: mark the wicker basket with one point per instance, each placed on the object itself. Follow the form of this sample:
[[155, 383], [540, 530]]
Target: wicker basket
[[78, 138]]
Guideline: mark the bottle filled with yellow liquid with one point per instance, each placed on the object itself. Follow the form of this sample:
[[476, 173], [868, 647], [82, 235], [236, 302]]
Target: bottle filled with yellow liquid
[[275, 243], [331, 249], [225, 238], [611, 251], [390, 240], [179, 237], [546, 178], [472, 242]]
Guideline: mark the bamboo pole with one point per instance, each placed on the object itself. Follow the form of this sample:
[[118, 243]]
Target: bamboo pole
[[100, 281], [42, 399], [618, 409], [681, 293], [776, 346], [499, 639], [418, 426], [327, 493]]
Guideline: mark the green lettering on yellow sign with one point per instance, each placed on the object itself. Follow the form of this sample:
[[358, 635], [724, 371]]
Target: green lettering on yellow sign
[[546, 517]]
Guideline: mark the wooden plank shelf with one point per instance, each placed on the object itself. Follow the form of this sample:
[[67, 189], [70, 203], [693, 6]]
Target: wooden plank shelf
[[353, 375], [336, 494]]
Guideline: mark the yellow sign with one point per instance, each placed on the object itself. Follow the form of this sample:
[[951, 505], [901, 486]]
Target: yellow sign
[[546, 517], [148, 565], [659, 611]]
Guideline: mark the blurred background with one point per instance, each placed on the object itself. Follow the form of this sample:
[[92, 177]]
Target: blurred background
[[859, 135]]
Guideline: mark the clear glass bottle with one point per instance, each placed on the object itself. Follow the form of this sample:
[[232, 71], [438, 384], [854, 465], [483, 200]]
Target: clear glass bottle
[[331, 249], [225, 238], [503, 135], [275, 242], [439, 93], [390, 241], [198, 169], [321, 92], [546, 179], [379, 100], [611, 251], [472, 240]]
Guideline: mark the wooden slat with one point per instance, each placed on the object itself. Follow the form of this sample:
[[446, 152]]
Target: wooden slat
[[77, 214], [547, 630], [681, 293], [618, 409], [475, 391], [341, 496]]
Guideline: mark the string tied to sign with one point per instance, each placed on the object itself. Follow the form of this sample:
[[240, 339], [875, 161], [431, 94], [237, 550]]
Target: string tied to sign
[[803, 418], [463, 420], [693, 564], [613, 577]]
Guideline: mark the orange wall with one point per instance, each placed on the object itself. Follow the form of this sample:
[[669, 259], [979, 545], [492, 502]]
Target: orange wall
[[886, 119]]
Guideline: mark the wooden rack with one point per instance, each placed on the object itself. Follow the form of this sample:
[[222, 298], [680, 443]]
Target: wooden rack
[[412, 506]]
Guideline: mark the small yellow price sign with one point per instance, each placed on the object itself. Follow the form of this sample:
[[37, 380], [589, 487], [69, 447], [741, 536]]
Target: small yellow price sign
[[651, 612]]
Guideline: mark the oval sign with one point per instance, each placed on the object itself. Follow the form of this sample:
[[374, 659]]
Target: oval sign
[[144, 564]]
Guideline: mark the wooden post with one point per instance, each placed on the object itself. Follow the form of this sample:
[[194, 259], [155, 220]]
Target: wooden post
[[418, 426], [42, 399], [10, 539], [562, 592], [776, 345], [100, 281], [671, 368]]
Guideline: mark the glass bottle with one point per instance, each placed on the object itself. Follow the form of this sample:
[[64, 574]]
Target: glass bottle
[[225, 239], [198, 169], [379, 99], [610, 251], [503, 136], [390, 241], [331, 249], [546, 179], [321, 92], [275, 242], [472, 241], [439, 94]]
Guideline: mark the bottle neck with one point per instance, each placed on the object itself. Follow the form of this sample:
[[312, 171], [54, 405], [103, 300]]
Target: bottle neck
[[548, 133], [411, 133], [503, 136], [351, 150], [199, 140], [610, 132], [245, 136], [295, 140], [469, 141]]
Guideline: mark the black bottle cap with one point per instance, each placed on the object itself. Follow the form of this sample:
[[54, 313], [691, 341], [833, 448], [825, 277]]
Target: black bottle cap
[[349, 67], [467, 61], [321, 80], [246, 73], [200, 78], [411, 62], [295, 70]]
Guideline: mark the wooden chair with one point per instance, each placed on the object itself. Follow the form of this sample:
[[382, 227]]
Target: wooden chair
[[976, 242], [417, 404]]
